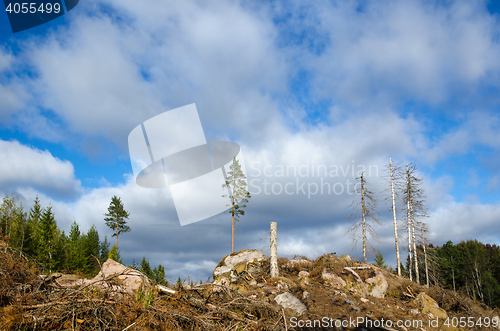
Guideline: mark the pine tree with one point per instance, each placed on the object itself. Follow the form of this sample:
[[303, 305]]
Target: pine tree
[[364, 209], [115, 218], [237, 193]]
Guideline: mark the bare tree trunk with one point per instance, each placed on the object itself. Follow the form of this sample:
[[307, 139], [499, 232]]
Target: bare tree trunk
[[232, 229], [477, 282], [22, 240], [117, 237], [415, 256], [395, 220], [453, 275], [363, 207], [274, 250], [409, 221], [425, 255]]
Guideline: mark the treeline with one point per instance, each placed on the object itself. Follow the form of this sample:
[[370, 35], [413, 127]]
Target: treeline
[[470, 267], [36, 235]]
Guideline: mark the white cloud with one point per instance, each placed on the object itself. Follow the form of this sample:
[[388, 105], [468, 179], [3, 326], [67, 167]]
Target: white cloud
[[23, 166], [393, 51], [463, 221]]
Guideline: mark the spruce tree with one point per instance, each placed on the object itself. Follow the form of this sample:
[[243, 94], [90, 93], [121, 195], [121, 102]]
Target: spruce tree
[[237, 193], [91, 247], [75, 258], [159, 275], [115, 218], [379, 260], [114, 255], [31, 246], [145, 268], [47, 236], [104, 249]]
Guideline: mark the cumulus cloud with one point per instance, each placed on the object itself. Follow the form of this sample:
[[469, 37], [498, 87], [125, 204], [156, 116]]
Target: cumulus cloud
[[388, 53], [23, 166]]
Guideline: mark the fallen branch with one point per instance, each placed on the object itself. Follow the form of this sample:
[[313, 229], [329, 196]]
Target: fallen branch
[[64, 303], [165, 289]]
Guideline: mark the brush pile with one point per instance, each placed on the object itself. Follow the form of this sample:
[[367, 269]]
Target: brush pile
[[31, 302], [242, 297]]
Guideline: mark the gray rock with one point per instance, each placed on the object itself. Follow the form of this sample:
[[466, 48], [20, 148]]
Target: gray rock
[[379, 285], [129, 279], [248, 255], [287, 300], [291, 263], [349, 302], [333, 279], [355, 274], [346, 257]]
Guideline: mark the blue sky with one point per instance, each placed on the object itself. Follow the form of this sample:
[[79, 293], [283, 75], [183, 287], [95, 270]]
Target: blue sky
[[335, 83]]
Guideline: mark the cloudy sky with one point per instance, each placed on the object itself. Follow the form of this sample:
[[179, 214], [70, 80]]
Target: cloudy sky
[[304, 85]]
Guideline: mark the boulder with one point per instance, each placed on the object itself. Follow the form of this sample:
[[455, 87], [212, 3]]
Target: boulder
[[377, 285], [304, 277], [429, 306], [292, 263], [358, 287], [72, 281], [333, 279], [346, 257], [234, 264], [287, 300], [129, 280]]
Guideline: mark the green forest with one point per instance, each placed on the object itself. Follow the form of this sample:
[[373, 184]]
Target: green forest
[[37, 236], [470, 267]]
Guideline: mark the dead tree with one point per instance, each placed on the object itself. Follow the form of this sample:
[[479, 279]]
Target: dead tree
[[364, 209], [413, 197], [393, 174]]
